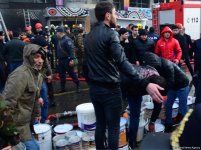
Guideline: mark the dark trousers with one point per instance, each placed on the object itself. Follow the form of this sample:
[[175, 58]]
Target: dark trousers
[[107, 105], [156, 111], [198, 92], [190, 68], [134, 106], [63, 66]]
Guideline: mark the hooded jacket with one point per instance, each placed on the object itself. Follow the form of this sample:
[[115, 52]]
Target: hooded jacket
[[22, 91], [169, 49]]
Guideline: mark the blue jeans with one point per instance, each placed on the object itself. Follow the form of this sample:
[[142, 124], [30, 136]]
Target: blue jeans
[[198, 92], [31, 144], [63, 66], [134, 106], [13, 66], [44, 109], [107, 105], [182, 95]]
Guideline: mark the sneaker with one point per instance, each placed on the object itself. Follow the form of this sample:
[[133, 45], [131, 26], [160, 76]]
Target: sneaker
[[151, 127]]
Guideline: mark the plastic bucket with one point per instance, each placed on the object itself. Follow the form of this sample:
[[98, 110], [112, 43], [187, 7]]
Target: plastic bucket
[[57, 138], [175, 110], [75, 143], [122, 133], [86, 116], [43, 136], [88, 142], [158, 127], [62, 144], [189, 102], [140, 132], [62, 128]]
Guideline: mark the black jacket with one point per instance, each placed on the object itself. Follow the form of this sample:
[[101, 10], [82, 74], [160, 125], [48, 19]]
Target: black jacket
[[105, 57], [65, 48], [197, 56], [174, 76], [141, 47], [129, 51], [13, 51], [183, 44]]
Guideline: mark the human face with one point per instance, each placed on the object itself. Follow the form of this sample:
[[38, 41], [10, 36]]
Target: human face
[[113, 19], [166, 35], [135, 31], [59, 35], [143, 37], [38, 62], [125, 36], [175, 31]]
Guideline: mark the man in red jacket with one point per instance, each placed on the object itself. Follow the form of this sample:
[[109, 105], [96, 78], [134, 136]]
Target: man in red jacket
[[168, 47]]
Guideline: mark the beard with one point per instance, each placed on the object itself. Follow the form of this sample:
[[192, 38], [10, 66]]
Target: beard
[[113, 23], [37, 67]]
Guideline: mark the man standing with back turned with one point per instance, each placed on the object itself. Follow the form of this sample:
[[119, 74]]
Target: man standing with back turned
[[104, 59]]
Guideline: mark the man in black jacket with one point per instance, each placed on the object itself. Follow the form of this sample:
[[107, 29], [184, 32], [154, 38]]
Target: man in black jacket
[[142, 44], [177, 85], [13, 52], [197, 48], [184, 47], [104, 58], [66, 55]]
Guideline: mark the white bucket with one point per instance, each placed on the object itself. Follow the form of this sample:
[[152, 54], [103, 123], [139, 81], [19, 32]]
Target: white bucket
[[75, 143], [140, 132], [122, 134], [57, 138], [158, 127], [88, 142], [43, 136], [86, 116], [189, 102], [62, 144], [123, 148], [175, 110], [62, 128]]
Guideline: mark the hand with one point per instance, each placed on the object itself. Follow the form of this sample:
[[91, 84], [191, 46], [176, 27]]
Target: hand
[[37, 119], [40, 101], [49, 78], [181, 61], [176, 61], [153, 90], [7, 148], [137, 63], [71, 63]]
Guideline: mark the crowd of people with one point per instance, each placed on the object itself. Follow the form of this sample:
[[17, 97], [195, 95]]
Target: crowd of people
[[118, 63]]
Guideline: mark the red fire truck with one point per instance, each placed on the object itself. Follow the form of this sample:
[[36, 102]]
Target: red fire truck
[[186, 12]]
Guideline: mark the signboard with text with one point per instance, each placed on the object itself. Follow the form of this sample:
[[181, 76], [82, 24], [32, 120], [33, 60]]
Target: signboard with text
[[192, 22]]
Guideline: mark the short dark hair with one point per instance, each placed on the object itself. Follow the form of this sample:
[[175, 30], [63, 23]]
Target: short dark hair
[[161, 81], [151, 30], [16, 33], [134, 26], [102, 8]]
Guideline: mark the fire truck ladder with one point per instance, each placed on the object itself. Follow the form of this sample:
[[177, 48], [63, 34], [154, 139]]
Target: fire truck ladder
[[26, 18], [2, 23]]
